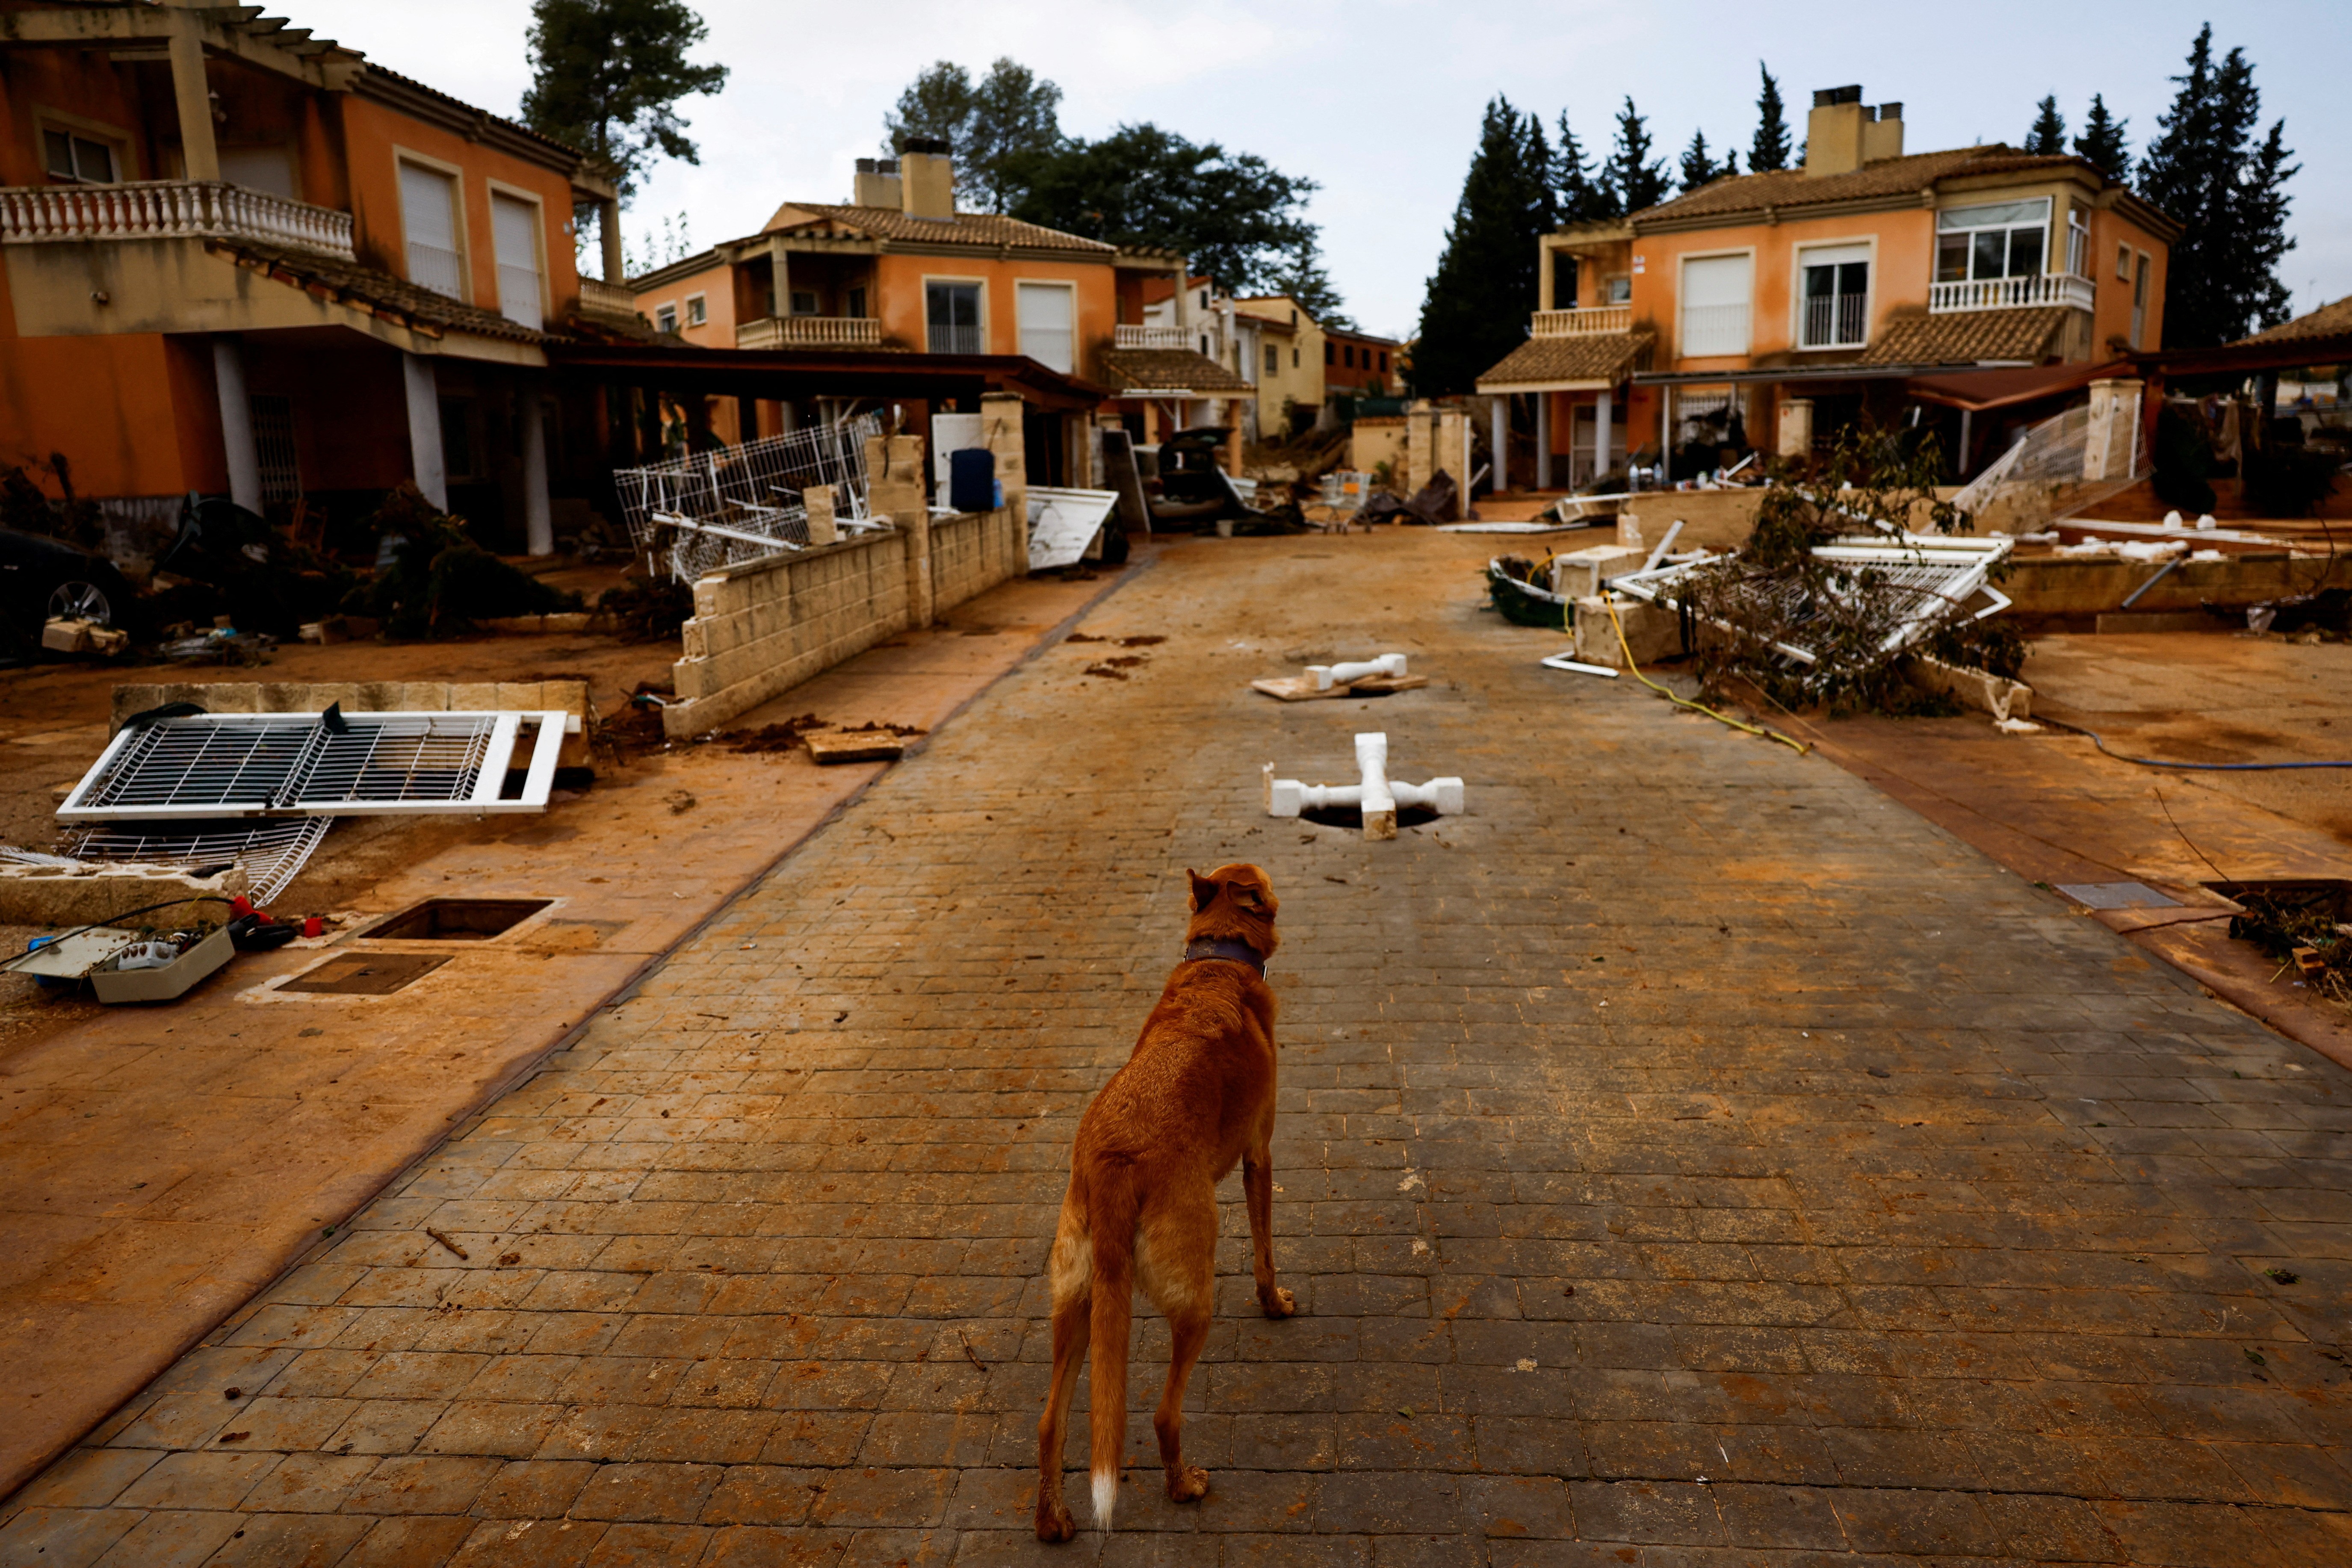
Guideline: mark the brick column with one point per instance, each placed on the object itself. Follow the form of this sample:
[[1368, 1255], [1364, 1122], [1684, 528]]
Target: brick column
[[894, 489], [1000, 432], [1797, 427]]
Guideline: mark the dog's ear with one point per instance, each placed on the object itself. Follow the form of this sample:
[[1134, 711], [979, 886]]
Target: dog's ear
[[1204, 890], [1249, 898]]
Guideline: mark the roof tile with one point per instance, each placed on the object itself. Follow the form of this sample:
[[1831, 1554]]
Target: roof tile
[[377, 290], [1169, 370], [1587, 356], [1967, 337], [988, 229], [1786, 190]]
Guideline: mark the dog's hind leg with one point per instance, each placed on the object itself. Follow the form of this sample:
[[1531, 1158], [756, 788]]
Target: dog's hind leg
[[1070, 1272], [1257, 1187], [1177, 1266]]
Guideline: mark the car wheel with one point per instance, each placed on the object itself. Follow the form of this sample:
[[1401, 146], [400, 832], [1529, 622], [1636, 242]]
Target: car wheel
[[75, 600]]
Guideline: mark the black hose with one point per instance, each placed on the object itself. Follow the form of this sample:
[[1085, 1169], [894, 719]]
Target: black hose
[[2191, 767]]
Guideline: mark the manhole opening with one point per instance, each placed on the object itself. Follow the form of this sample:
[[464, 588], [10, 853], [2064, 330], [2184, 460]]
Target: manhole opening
[[458, 920], [1353, 817], [366, 974]]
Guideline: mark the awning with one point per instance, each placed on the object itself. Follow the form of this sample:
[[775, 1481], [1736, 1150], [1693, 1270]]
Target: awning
[[1977, 390]]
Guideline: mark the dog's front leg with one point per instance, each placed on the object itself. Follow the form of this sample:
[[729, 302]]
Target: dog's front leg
[[1258, 1186]]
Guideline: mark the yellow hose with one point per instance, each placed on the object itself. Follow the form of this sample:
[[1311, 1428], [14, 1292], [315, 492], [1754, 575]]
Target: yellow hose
[[1609, 599]]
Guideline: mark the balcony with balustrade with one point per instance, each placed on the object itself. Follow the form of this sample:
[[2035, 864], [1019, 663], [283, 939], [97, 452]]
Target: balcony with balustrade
[[2040, 288], [811, 333], [1578, 323], [169, 209], [1128, 337]]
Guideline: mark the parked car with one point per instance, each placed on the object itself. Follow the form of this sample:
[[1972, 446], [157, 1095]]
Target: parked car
[[44, 579]]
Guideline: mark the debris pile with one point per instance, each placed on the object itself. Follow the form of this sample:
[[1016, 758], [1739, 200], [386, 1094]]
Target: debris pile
[[2304, 929], [695, 514], [433, 580]]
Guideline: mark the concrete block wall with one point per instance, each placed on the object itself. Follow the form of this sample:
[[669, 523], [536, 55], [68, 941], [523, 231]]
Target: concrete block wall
[[973, 553]]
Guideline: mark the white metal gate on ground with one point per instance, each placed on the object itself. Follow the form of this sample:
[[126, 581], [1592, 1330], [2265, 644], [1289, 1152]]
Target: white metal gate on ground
[[216, 765], [697, 513], [272, 853]]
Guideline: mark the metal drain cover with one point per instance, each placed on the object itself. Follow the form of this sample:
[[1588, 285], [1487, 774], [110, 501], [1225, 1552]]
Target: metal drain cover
[[366, 974], [2118, 896]]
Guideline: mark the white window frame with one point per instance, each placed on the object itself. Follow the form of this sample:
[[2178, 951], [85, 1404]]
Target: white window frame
[[118, 143], [532, 199], [665, 315], [456, 176], [698, 310], [2123, 262], [2049, 222], [2078, 242], [1796, 265], [987, 321], [1067, 287], [1683, 305]]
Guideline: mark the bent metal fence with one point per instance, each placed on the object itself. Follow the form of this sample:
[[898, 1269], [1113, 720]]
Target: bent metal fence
[[694, 515]]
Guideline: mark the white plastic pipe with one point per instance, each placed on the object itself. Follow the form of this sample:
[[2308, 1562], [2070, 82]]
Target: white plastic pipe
[[1376, 798], [1327, 675], [1378, 805]]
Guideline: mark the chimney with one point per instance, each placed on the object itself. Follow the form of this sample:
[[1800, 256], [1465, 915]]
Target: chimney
[[926, 178], [1833, 131], [1882, 137], [878, 182]]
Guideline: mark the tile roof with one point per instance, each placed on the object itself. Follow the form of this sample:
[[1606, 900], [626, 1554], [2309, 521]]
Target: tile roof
[[1786, 190], [1587, 356], [988, 229], [378, 293], [1967, 337], [2328, 321], [1169, 370]]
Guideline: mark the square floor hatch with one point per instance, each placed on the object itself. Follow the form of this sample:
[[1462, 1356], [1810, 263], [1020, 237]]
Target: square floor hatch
[[458, 920], [366, 974]]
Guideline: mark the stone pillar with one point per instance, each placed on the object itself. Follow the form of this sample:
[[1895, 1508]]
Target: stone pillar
[[1543, 440], [1000, 432], [538, 515], [780, 272], [1420, 444], [1498, 443], [1604, 435], [2110, 446], [425, 453], [236, 424], [822, 527], [191, 94], [1796, 427], [608, 232], [895, 489]]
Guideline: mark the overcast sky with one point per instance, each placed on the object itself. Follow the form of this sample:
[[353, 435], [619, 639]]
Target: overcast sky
[[1379, 100]]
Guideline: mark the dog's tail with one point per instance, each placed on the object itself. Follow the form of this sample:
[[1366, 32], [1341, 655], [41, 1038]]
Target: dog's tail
[[1111, 1210]]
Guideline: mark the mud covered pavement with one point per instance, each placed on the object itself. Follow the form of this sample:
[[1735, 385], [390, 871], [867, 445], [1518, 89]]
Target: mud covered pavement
[[1690, 1156]]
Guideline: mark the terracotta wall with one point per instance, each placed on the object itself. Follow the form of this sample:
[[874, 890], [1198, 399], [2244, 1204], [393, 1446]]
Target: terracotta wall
[[899, 281], [1902, 269], [717, 284], [136, 412]]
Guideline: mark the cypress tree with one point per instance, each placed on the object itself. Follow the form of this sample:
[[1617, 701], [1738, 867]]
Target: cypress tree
[[1638, 179], [1483, 290], [2204, 170], [2101, 141], [2048, 137], [1770, 149]]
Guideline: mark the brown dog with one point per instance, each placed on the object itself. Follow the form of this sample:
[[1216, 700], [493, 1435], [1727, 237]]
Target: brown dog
[[1196, 1095]]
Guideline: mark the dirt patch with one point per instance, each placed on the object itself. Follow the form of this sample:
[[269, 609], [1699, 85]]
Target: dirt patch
[[784, 737], [1143, 640]]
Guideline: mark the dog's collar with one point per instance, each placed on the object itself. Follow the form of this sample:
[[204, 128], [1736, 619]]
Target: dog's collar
[[1227, 949]]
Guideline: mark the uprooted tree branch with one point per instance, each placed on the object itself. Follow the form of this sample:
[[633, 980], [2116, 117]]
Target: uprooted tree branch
[[1839, 586]]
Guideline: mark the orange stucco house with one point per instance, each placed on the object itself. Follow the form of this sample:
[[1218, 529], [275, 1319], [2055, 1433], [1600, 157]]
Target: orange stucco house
[[238, 259], [1763, 311], [900, 268]]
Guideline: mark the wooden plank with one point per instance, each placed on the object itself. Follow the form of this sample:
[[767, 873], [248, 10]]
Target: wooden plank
[[1301, 688], [857, 746]]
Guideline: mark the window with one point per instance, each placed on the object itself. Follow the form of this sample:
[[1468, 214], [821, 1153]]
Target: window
[[79, 158], [1716, 293], [1384, 361], [1272, 358], [2003, 239], [2122, 263], [270, 169], [857, 303], [274, 449], [1835, 313], [514, 235], [2141, 282], [1046, 313], [1204, 345], [951, 313], [1331, 353], [665, 318], [805, 302], [1563, 281], [1293, 359], [2078, 243], [428, 213], [1620, 290], [698, 310]]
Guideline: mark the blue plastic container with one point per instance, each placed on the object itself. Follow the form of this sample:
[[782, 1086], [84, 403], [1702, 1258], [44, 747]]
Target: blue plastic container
[[972, 480]]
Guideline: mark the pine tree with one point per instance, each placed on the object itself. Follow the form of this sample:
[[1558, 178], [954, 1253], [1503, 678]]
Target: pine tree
[[1770, 149], [997, 128], [1308, 285], [606, 75], [1638, 179], [1699, 169], [2048, 137], [1480, 296], [1580, 194], [2228, 195], [2101, 141]]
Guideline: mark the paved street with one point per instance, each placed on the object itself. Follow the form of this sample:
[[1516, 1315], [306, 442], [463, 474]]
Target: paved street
[[1689, 1157]]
